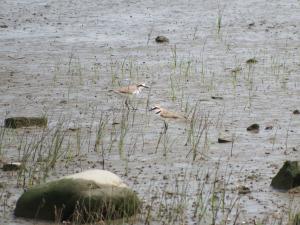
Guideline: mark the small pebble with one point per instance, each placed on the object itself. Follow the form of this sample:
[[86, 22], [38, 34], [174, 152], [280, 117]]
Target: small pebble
[[161, 39]]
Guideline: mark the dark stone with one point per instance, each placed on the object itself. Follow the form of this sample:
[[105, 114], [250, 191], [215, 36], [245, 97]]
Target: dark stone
[[242, 190], [251, 61], [253, 128], [3, 26], [11, 166], [17, 122], [161, 39], [223, 140], [296, 112], [77, 200], [288, 176], [217, 97], [269, 127]]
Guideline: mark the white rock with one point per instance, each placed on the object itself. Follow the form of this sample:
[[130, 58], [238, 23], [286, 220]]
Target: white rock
[[101, 177]]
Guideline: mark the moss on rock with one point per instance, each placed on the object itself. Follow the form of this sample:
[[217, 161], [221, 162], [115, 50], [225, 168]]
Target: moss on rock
[[77, 199], [288, 176], [18, 122]]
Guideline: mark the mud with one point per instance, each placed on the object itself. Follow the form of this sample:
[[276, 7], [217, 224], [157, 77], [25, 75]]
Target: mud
[[59, 59]]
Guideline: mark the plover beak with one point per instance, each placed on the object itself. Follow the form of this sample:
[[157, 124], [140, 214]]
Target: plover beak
[[145, 86], [158, 112]]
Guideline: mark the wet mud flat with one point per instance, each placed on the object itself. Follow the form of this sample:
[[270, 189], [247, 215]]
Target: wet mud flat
[[227, 65]]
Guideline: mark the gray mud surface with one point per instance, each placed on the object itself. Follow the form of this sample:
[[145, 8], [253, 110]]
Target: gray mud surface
[[59, 59]]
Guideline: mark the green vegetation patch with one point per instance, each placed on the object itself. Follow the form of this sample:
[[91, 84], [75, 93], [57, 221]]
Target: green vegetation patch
[[297, 219], [77, 200]]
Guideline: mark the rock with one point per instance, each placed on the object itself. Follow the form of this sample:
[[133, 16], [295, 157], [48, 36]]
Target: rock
[[296, 112], [11, 166], [217, 97], [161, 39], [253, 128], [250, 25], [222, 140], [288, 176], [269, 127], [242, 190], [3, 26], [251, 61], [17, 122], [89, 196], [296, 219]]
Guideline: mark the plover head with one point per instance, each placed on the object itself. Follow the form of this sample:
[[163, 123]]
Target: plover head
[[140, 87]]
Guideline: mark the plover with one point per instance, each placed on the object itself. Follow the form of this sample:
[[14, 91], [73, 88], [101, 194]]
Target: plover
[[167, 114], [131, 89]]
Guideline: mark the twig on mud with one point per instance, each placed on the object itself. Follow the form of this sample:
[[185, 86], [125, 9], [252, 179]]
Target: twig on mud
[[11, 57]]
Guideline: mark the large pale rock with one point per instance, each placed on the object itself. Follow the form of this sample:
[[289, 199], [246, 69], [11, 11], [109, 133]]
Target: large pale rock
[[288, 176], [84, 197]]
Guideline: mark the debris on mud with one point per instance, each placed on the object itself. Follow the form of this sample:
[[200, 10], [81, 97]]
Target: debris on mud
[[161, 39], [14, 166], [3, 26], [92, 195], [18, 122], [254, 128], [251, 61], [288, 176]]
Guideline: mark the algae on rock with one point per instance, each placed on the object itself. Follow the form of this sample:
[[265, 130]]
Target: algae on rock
[[18, 122], [288, 176], [77, 199]]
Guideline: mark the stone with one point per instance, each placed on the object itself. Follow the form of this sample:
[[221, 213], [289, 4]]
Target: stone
[[89, 196], [223, 140], [217, 97], [18, 122], [161, 39], [296, 112], [251, 61], [269, 127], [14, 166], [242, 190], [253, 128], [288, 176]]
